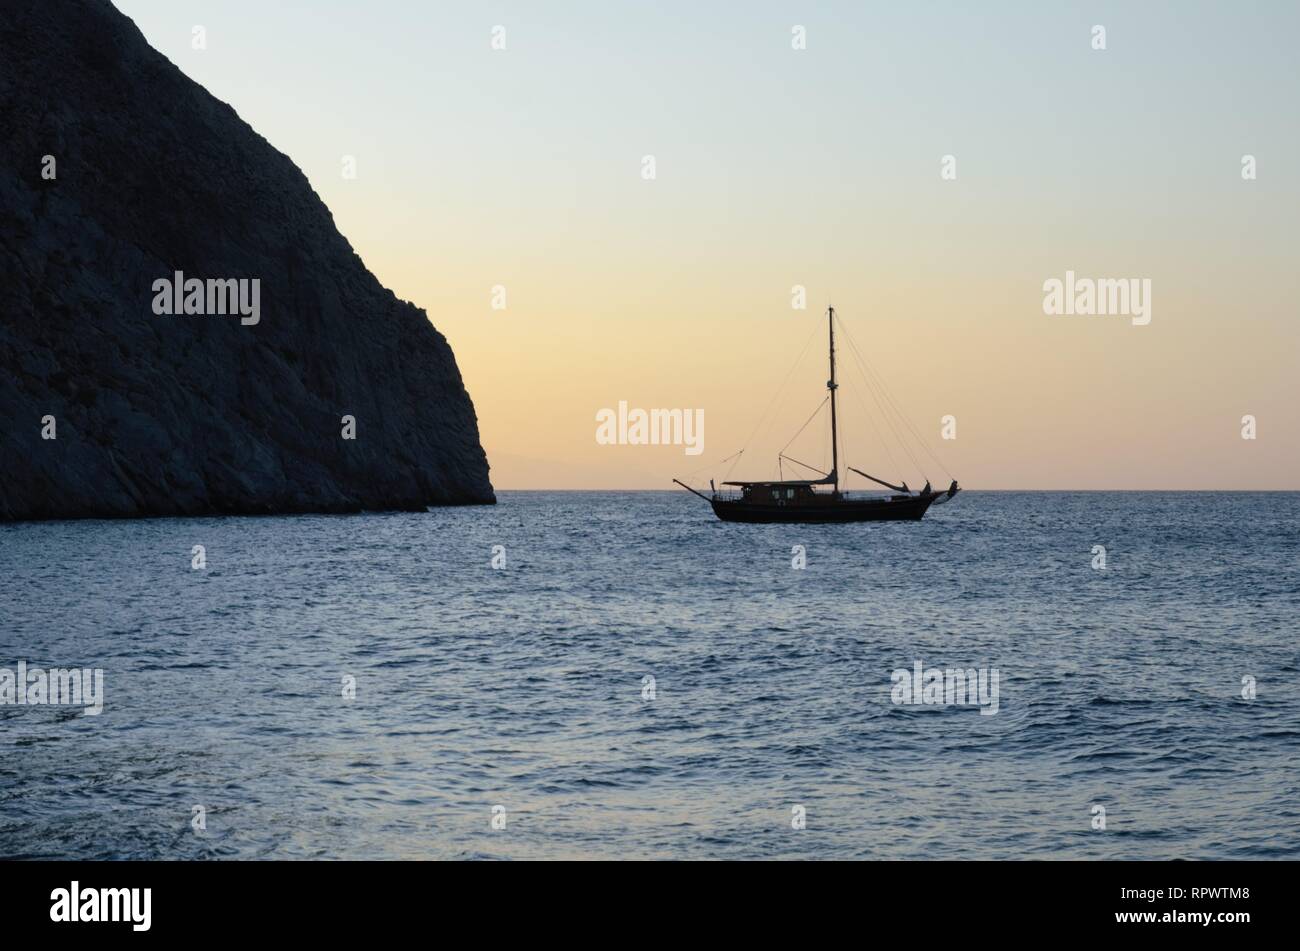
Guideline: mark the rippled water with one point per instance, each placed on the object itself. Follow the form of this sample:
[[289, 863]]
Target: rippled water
[[522, 687]]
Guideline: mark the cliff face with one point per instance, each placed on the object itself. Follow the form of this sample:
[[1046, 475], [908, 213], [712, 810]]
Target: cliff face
[[187, 414]]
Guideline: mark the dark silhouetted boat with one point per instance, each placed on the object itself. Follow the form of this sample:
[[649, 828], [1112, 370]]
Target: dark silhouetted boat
[[820, 500]]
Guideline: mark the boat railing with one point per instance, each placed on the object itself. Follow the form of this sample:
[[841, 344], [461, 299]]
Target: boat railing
[[856, 495]]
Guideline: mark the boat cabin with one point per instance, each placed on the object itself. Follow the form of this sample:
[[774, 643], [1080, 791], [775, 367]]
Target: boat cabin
[[777, 493]]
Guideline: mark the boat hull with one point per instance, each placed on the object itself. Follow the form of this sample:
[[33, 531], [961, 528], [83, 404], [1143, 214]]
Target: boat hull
[[911, 509]]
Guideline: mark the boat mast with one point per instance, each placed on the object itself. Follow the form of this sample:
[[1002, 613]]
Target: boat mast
[[833, 386]]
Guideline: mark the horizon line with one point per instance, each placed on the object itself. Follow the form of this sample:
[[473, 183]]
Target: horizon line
[[964, 490]]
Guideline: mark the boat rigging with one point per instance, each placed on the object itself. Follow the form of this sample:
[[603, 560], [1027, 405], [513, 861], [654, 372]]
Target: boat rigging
[[798, 500]]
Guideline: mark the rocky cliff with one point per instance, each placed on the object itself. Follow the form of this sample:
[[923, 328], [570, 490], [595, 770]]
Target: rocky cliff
[[117, 172]]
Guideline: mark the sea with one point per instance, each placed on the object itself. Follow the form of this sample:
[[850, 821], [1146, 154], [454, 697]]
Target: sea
[[619, 675]]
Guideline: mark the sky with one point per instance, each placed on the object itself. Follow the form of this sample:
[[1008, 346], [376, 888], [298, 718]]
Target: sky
[[481, 169]]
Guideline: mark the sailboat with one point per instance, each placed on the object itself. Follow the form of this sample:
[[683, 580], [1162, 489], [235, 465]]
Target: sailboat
[[820, 500]]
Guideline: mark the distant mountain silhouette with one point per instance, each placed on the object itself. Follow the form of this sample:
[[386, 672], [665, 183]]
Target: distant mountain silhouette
[[187, 415]]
